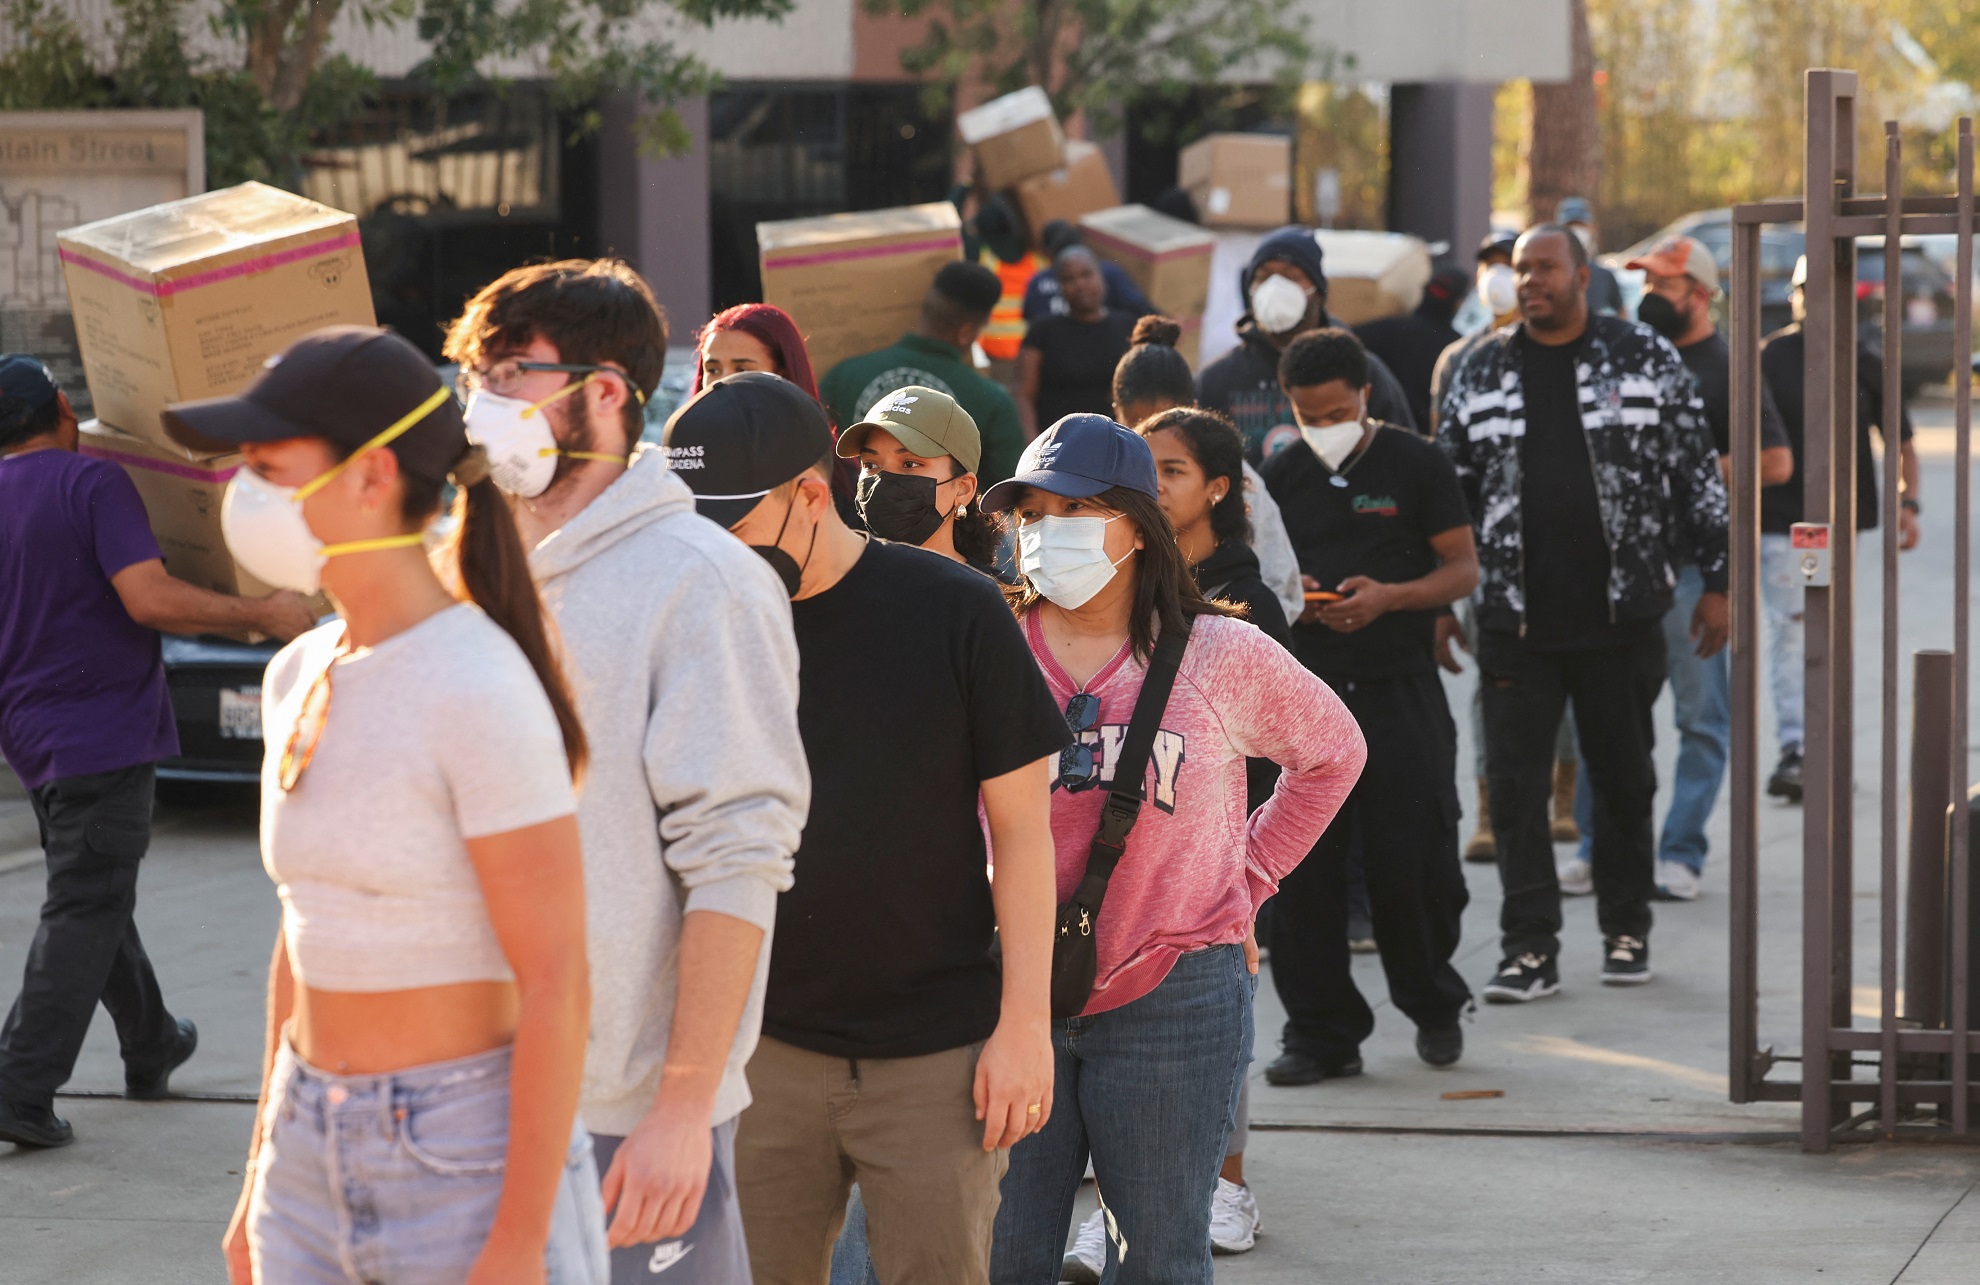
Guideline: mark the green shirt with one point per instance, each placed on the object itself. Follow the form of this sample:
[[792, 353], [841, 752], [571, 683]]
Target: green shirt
[[852, 387]]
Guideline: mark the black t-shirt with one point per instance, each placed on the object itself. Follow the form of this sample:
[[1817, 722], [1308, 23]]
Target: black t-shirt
[[1782, 355], [1710, 363], [1076, 363], [1400, 491], [915, 685], [1563, 543]]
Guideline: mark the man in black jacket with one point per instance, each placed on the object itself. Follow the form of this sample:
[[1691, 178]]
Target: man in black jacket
[[1410, 344], [1583, 445], [1285, 293], [1381, 528]]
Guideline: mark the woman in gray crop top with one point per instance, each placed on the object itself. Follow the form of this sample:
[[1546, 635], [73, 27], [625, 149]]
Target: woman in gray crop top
[[429, 996]]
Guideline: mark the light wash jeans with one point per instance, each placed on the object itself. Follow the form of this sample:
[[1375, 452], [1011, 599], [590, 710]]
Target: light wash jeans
[[1701, 692], [396, 1177], [1150, 1090], [1781, 594]]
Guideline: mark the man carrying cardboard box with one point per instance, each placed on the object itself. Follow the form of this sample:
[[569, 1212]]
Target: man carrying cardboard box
[[84, 716]]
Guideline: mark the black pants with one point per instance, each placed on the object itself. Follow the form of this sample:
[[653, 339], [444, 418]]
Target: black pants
[[1524, 692], [1403, 816], [94, 829]]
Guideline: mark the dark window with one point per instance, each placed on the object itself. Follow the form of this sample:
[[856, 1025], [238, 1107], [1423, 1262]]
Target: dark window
[[792, 151]]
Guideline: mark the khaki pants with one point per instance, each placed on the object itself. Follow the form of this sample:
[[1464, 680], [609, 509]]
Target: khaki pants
[[904, 1128]]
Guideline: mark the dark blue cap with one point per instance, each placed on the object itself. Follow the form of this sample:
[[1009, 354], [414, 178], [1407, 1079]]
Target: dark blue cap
[[1080, 456], [1574, 209], [25, 387]]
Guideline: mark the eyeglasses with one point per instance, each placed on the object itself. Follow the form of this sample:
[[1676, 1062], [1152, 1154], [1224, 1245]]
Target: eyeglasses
[[303, 737], [504, 378], [1078, 768]]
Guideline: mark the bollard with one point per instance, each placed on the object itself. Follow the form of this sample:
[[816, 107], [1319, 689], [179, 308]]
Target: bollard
[[1925, 966]]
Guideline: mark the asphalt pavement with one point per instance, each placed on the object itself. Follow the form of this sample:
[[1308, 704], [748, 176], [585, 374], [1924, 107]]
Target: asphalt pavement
[[1595, 1141]]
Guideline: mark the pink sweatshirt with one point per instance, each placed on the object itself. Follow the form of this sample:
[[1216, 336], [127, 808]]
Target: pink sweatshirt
[[1196, 867]]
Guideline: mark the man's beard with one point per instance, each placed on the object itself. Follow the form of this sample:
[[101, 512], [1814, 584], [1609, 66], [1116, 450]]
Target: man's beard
[[572, 433]]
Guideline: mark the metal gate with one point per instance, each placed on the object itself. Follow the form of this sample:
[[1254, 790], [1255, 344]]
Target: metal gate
[[1921, 1056]]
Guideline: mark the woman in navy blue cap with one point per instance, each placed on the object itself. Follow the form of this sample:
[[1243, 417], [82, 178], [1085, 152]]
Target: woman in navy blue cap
[[1147, 1074]]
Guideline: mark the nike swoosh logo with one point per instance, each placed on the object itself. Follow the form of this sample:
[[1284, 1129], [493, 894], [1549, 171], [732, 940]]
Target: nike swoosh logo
[[666, 1255]]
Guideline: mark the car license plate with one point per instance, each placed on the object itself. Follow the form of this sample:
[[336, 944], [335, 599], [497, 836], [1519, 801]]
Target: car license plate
[[240, 713]]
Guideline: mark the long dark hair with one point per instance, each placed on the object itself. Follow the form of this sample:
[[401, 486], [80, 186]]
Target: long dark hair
[[1165, 593], [976, 533], [1219, 451], [488, 564]]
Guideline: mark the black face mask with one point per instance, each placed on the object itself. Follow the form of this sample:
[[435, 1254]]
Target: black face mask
[[788, 569], [1662, 316], [899, 506]]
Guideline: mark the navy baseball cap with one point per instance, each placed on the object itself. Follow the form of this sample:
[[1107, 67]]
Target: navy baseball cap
[[1080, 456], [25, 387], [744, 437]]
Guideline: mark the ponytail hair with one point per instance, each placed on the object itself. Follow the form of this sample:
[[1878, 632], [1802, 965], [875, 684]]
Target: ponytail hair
[[492, 568]]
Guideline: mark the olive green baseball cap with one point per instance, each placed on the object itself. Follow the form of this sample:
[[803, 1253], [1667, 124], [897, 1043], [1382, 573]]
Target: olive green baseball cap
[[928, 423]]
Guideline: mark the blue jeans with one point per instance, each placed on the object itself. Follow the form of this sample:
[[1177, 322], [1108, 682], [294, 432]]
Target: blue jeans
[[1150, 1090], [1781, 593], [1701, 691], [395, 1177], [852, 1257]]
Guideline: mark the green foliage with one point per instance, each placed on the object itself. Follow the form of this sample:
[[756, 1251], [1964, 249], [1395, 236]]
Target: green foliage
[[262, 115], [1099, 56]]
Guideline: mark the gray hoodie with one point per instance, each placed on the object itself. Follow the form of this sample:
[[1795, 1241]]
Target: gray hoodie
[[677, 639]]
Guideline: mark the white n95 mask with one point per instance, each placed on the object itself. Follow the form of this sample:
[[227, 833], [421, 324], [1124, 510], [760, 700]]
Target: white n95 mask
[[264, 526], [1065, 558], [1334, 443], [1278, 304], [1498, 290], [522, 449]]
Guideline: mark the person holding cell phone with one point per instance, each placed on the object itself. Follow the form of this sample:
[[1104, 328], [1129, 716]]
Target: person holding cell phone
[[1383, 537]]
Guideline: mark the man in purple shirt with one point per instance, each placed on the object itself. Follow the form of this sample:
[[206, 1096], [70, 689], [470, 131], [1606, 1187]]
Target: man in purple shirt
[[84, 716]]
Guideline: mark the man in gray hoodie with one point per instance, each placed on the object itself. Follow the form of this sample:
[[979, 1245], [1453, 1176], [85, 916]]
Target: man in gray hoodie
[[679, 648]]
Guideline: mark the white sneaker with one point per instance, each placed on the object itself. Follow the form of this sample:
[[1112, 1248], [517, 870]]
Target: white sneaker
[[1577, 878], [1676, 882], [1088, 1257], [1233, 1219]]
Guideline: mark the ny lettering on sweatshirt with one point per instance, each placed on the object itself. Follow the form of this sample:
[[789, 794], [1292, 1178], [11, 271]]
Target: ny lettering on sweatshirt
[[1197, 865]]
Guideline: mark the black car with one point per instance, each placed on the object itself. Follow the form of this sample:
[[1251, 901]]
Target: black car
[[216, 699]]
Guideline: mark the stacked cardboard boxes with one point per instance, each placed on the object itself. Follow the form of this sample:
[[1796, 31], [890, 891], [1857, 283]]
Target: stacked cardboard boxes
[[187, 299], [855, 282], [1373, 274], [1013, 138], [1238, 180], [1077, 188], [1168, 258]]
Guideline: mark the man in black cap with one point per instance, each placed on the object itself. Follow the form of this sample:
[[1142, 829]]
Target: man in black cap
[[935, 354], [84, 716], [1411, 344], [1285, 294], [894, 1052]]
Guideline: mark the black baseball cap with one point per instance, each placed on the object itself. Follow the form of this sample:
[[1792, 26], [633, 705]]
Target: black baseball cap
[[1080, 456], [345, 384], [744, 437], [25, 387]]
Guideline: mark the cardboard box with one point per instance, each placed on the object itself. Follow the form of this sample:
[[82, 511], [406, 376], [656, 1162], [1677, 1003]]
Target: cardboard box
[[1372, 274], [1077, 188], [182, 498], [1168, 258], [1238, 180], [855, 282], [186, 299], [1013, 138]]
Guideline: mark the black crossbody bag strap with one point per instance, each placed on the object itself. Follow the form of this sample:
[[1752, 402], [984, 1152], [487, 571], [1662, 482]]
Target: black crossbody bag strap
[[1074, 959]]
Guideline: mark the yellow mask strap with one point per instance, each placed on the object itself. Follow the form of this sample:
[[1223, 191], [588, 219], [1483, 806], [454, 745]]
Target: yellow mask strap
[[367, 546], [397, 430], [593, 455], [565, 391]]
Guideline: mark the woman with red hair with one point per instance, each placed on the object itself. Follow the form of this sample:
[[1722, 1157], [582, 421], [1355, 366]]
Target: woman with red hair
[[762, 336], [751, 336]]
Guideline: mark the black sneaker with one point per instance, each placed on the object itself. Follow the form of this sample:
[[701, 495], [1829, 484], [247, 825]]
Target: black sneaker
[[32, 1126], [1293, 1067], [150, 1086], [1440, 1045], [1785, 783], [1523, 979], [1625, 961]]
